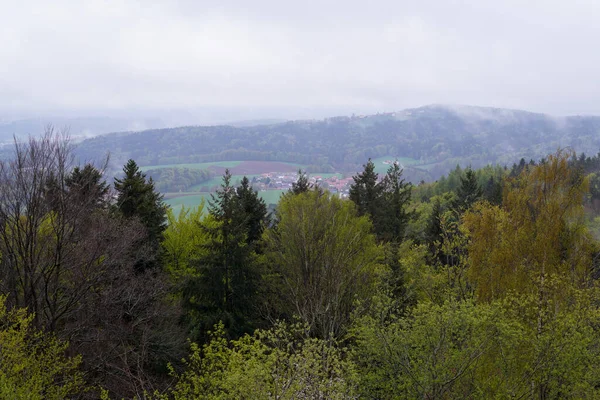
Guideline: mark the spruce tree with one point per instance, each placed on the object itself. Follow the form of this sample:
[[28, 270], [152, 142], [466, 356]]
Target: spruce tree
[[86, 185], [301, 185], [137, 198], [468, 192], [393, 213], [365, 192], [228, 279]]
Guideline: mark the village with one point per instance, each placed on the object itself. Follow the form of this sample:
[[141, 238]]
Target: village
[[283, 181]]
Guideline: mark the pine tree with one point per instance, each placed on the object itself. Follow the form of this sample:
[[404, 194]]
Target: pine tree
[[301, 185], [365, 192], [227, 285], [254, 210], [393, 215], [86, 184], [468, 192], [137, 198]]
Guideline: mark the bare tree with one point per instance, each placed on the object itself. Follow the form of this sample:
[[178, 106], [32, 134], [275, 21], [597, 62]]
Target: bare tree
[[69, 260]]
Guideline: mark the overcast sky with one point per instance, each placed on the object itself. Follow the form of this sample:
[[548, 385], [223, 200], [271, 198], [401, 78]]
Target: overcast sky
[[101, 56]]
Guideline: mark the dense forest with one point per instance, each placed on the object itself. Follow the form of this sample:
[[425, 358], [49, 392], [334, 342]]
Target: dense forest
[[435, 138], [480, 285]]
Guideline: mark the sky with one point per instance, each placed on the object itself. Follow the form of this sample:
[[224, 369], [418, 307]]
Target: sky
[[275, 56]]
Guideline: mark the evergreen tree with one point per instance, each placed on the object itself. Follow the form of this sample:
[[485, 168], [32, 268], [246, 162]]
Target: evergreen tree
[[227, 284], [493, 191], [86, 184], [137, 198], [365, 192], [301, 185], [468, 192], [393, 215], [254, 211]]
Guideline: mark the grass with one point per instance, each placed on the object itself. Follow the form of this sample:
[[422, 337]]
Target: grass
[[217, 180], [271, 196], [194, 200], [382, 168]]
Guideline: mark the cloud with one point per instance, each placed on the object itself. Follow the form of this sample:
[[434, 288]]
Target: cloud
[[382, 55]]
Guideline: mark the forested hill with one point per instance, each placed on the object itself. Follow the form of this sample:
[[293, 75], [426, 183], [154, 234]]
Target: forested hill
[[436, 138]]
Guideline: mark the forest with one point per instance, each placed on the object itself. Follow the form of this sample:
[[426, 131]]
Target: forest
[[483, 284], [436, 138]]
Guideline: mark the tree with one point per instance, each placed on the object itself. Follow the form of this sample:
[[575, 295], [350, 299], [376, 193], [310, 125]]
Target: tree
[[385, 202], [301, 185], [184, 242], [87, 185], [55, 247], [254, 210], [460, 349], [393, 214], [226, 286], [537, 234], [279, 363], [69, 262], [33, 365], [468, 192], [324, 258], [365, 192], [137, 198]]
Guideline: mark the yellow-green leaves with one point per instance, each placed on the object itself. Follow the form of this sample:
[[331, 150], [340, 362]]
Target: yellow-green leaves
[[538, 233], [279, 363], [33, 365]]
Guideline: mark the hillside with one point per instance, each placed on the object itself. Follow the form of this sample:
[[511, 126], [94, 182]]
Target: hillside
[[433, 138]]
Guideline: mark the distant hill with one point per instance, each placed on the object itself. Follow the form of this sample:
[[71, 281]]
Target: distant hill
[[433, 138], [79, 128]]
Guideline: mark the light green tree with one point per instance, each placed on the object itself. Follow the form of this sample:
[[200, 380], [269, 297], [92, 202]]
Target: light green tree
[[279, 363], [323, 258], [33, 365]]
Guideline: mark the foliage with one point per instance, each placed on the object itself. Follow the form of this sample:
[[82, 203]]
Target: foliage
[[33, 365], [225, 285], [385, 201], [136, 197], [280, 363], [184, 241], [538, 233], [479, 351], [323, 258]]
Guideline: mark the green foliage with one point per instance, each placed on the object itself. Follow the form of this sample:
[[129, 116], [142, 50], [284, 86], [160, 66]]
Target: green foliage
[[301, 185], [184, 242], [322, 258], [137, 198], [479, 351], [280, 363], [33, 365], [468, 193], [385, 201], [87, 184], [538, 233], [224, 288]]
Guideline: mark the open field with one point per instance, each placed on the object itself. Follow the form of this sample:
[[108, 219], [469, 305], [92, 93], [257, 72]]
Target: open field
[[382, 168], [236, 167], [216, 181], [193, 200]]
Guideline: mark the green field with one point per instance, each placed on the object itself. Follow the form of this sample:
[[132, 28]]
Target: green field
[[382, 168], [217, 180], [192, 201]]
